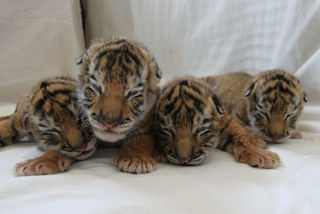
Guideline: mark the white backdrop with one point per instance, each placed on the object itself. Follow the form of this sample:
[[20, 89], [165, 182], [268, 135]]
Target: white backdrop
[[188, 37], [38, 39], [208, 37]]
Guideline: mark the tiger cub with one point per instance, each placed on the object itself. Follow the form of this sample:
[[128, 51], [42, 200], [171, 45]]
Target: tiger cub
[[112, 101], [269, 103], [49, 114], [117, 90], [192, 121]]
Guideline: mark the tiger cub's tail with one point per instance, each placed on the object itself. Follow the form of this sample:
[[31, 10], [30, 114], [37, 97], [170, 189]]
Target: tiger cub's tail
[[15, 126]]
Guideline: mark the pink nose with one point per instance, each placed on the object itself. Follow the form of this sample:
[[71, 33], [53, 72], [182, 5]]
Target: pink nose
[[184, 160], [276, 137], [110, 124]]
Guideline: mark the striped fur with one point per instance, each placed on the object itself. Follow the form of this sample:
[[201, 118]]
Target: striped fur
[[116, 92], [49, 114], [192, 119], [270, 103]]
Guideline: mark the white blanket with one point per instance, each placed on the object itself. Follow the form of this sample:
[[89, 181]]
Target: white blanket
[[204, 37], [220, 185]]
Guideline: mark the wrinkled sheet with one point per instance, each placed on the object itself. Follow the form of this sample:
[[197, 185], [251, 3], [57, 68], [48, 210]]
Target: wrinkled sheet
[[220, 185], [188, 38]]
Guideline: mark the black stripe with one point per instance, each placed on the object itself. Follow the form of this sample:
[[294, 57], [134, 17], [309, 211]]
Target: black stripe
[[197, 102], [39, 104], [241, 118], [186, 83], [60, 91], [279, 87], [15, 132], [285, 90], [280, 77], [175, 113], [226, 126], [170, 106], [171, 92], [134, 58], [228, 141], [111, 61]]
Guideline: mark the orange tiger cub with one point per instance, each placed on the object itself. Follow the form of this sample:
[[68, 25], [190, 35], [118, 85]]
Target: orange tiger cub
[[192, 120], [269, 103], [49, 115], [112, 101], [117, 90]]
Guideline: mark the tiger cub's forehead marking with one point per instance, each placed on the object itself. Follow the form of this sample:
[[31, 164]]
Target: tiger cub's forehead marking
[[183, 100], [279, 87]]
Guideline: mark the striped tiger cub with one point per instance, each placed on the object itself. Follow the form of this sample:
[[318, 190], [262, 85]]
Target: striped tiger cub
[[269, 103], [117, 90], [112, 101], [50, 116], [192, 120]]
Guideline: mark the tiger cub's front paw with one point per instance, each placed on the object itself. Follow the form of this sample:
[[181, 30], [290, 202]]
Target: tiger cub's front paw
[[43, 166], [257, 157], [135, 164], [159, 156], [296, 135]]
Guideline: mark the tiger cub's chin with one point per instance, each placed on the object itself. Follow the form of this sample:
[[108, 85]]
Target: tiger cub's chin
[[111, 137]]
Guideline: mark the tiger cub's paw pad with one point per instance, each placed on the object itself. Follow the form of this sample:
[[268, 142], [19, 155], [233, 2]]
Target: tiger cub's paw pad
[[42, 167], [258, 158], [135, 165]]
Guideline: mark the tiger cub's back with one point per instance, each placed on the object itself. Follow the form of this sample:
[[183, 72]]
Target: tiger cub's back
[[229, 87]]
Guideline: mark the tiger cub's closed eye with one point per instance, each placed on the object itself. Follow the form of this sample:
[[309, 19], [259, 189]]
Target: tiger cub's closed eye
[[90, 93]]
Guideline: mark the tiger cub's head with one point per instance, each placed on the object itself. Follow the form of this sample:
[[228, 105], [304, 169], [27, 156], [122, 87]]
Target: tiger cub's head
[[275, 101], [56, 121], [116, 86], [189, 117]]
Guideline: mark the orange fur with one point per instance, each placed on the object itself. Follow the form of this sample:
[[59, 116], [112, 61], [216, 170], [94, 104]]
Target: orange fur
[[118, 87], [191, 121]]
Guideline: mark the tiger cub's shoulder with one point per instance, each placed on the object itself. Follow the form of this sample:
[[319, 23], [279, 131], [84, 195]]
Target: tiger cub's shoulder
[[229, 87]]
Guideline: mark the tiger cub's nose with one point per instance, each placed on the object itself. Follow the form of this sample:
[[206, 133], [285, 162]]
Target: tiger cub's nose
[[276, 137], [110, 123], [184, 160]]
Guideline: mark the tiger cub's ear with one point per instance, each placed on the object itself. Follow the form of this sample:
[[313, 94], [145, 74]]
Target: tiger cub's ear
[[305, 97], [79, 60], [217, 104], [249, 90], [155, 68]]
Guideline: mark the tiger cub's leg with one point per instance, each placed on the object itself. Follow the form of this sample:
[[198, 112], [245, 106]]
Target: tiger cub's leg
[[136, 155], [159, 155], [296, 135], [6, 131], [249, 148], [50, 163]]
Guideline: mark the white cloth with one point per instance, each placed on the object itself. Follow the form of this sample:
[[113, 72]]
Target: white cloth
[[220, 185], [204, 37], [38, 39], [209, 37]]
